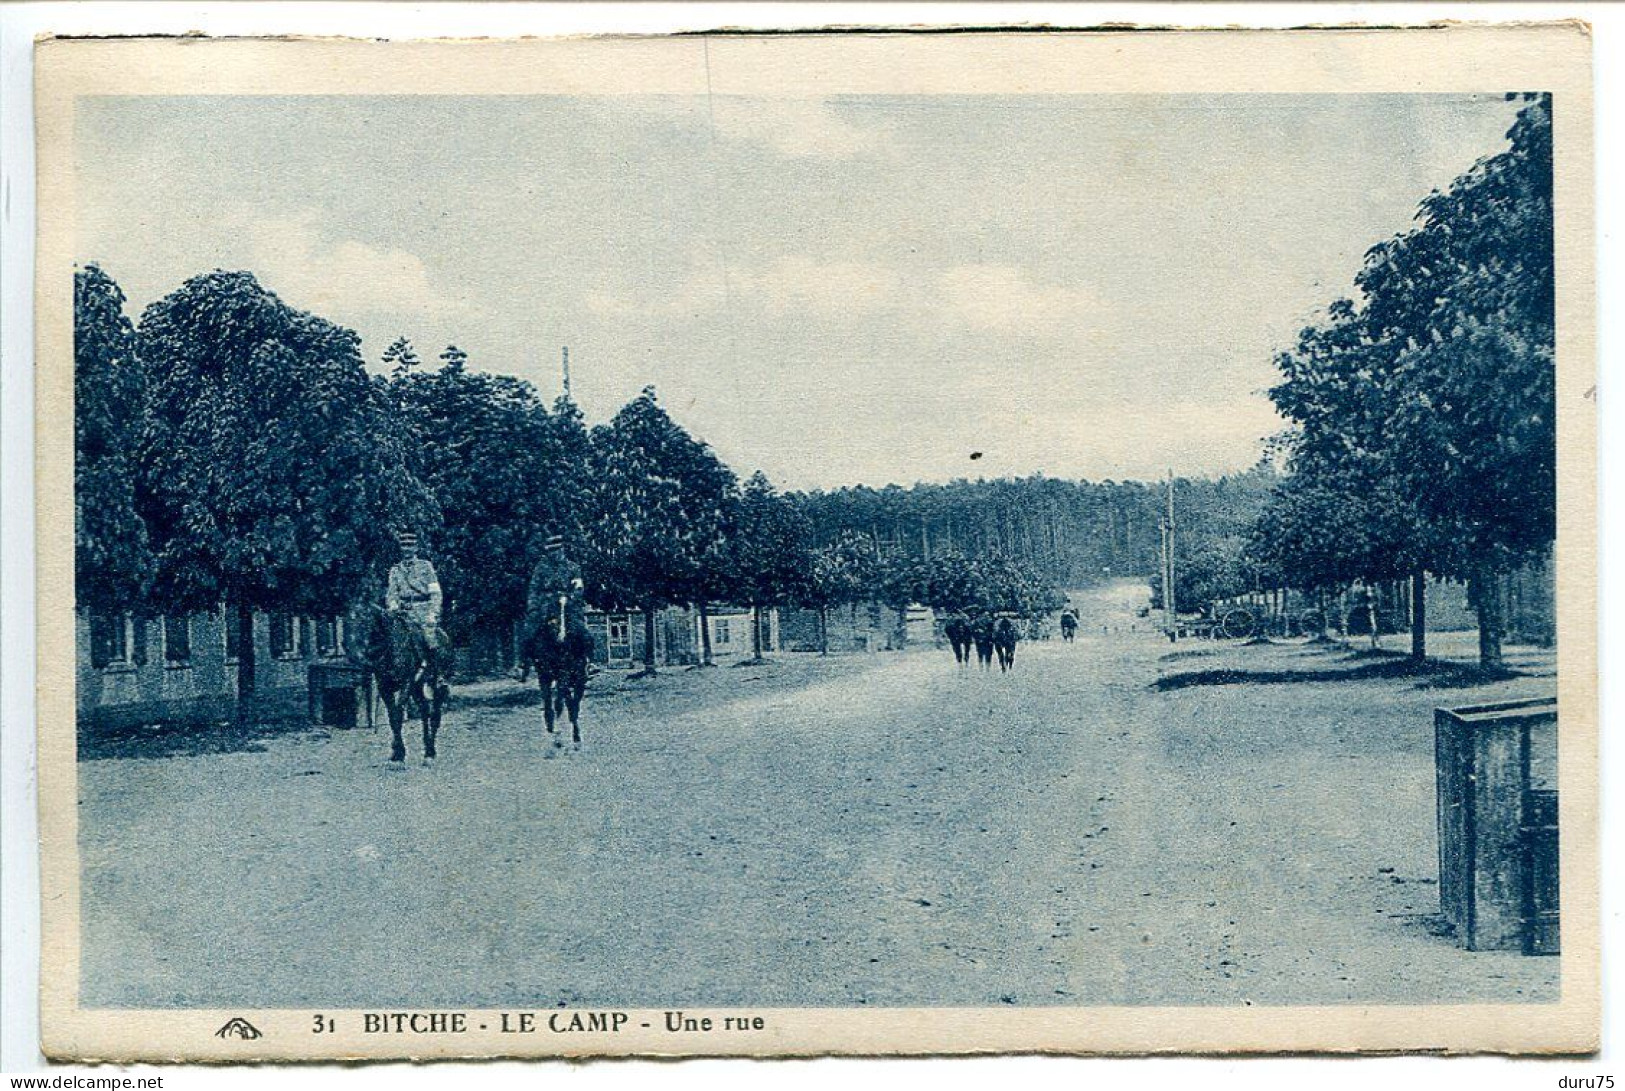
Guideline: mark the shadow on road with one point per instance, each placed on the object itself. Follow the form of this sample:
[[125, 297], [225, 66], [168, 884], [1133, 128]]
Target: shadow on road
[[1367, 665], [185, 738]]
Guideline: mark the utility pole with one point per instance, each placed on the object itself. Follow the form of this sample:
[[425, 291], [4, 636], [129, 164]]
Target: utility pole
[[566, 372], [1169, 607]]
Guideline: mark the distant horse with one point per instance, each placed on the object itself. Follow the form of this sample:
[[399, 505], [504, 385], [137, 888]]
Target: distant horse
[[1004, 642], [1069, 626], [393, 650], [957, 630], [561, 670], [981, 631]]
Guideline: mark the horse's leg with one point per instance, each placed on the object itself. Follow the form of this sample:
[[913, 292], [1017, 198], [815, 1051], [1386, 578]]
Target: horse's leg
[[550, 705], [545, 683], [573, 697], [392, 706], [430, 710]]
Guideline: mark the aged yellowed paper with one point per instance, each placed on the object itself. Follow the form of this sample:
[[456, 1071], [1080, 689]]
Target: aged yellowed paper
[[1137, 489]]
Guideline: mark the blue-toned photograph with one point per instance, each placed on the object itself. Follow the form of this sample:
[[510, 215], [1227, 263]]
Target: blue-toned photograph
[[940, 550]]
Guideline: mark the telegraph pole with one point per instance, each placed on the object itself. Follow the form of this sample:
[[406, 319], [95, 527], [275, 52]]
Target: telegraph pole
[[566, 372], [1169, 607]]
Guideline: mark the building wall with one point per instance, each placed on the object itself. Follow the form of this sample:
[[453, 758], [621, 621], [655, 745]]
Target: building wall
[[147, 684], [855, 627], [618, 639]]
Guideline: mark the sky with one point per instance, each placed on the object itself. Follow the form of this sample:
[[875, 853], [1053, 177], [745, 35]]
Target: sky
[[835, 291]]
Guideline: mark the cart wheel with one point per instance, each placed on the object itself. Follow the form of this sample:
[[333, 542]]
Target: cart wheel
[[1238, 623]]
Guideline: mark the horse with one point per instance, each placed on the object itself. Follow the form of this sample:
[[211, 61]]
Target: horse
[[393, 650], [957, 630], [1004, 642], [561, 670], [1069, 626], [981, 631]]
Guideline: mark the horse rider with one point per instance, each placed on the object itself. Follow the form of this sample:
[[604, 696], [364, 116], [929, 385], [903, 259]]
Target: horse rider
[[554, 596], [413, 593]]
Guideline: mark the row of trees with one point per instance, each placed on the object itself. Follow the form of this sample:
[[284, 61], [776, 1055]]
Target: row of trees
[[231, 449], [1073, 533], [1424, 412]]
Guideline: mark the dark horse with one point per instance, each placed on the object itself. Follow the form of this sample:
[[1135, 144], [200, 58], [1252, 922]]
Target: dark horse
[[981, 631], [561, 669], [401, 662], [1004, 642], [1069, 626], [957, 630]]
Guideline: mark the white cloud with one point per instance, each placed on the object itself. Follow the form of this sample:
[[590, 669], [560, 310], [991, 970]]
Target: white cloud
[[1005, 299], [798, 128], [339, 277], [697, 292], [789, 286], [796, 284]]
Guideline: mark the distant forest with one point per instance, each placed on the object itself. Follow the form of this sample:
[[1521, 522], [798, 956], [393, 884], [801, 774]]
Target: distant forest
[[1075, 533]]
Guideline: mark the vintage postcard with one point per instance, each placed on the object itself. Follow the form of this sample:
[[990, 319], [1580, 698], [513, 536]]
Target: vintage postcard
[[821, 543]]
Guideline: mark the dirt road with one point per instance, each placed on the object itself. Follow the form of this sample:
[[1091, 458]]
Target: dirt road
[[886, 830]]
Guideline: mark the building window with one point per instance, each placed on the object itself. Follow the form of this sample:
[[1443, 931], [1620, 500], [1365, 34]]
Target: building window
[[109, 641], [177, 640], [233, 643], [618, 628], [329, 636], [721, 632], [284, 635]]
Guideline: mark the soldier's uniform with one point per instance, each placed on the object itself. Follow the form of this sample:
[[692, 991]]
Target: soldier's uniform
[[413, 591], [555, 577]]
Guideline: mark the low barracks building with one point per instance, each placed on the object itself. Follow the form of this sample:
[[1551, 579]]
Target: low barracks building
[[134, 670]]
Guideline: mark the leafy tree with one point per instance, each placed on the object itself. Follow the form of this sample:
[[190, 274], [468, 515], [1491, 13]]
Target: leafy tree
[[496, 463], [899, 579], [400, 358], [768, 544], [711, 507], [273, 476], [114, 565], [1469, 295], [841, 572], [953, 582], [454, 359], [651, 514], [1427, 417]]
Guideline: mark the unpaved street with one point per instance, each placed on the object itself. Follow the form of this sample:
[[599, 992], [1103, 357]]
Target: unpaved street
[[886, 830]]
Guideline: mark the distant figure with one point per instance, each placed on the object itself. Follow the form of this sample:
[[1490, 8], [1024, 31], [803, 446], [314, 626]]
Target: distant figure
[[1005, 636], [981, 631], [1069, 624], [957, 630]]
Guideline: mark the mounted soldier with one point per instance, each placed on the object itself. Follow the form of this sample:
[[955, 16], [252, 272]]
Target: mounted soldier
[[413, 593], [554, 596], [556, 640]]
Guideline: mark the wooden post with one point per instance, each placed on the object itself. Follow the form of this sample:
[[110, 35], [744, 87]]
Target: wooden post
[[1169, 604]]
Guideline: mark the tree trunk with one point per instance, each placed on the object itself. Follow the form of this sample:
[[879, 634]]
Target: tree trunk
[[1485, 591], [245, 662], [823, 630], [1419, 615], [1371, 615], [705, 635], [648, 640], [756, 632]]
